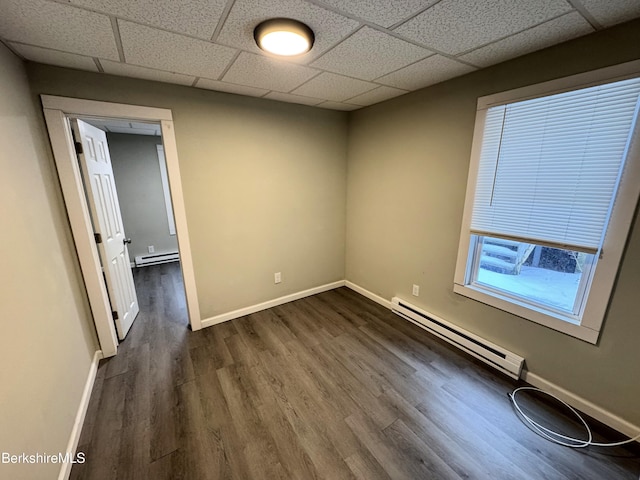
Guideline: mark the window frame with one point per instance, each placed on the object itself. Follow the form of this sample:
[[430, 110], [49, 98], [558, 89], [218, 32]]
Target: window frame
[[607, 265], [475, 246]]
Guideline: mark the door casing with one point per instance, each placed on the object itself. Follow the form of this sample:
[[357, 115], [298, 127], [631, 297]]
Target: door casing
[[57, 110]]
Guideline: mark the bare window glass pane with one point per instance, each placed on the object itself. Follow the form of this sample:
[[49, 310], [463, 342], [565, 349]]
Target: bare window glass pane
[[537, 274]]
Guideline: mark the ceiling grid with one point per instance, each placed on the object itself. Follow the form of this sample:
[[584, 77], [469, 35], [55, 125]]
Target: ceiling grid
[[366, 51]]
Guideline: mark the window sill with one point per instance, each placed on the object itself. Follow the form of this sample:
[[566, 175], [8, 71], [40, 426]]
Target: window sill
[[554, 321]]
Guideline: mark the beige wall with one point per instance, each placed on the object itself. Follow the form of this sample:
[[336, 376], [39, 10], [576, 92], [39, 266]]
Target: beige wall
[[137, 173], [407, 173], [47, 340], [264, 184]]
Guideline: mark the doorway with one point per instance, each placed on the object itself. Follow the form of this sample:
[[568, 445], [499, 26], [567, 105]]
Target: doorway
[[133, 166], [58, 111]]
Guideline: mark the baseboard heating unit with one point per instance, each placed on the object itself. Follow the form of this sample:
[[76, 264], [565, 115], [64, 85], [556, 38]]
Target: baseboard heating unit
[[156, 259], [490, 353]]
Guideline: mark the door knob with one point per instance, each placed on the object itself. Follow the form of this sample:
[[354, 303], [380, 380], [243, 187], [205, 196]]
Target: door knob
[[126, 240]]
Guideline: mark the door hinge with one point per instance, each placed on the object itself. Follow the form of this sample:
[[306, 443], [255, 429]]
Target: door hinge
[[97, 237], [79, 148], [115, 315]]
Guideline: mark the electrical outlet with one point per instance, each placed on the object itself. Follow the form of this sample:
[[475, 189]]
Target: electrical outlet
[[151, 249], [277, 277], [416, 290]]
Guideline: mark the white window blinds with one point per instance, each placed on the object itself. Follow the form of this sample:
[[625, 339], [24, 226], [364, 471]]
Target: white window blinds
[[550, 166]]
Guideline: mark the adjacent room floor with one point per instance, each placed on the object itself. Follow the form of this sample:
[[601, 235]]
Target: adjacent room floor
[[332, 386]]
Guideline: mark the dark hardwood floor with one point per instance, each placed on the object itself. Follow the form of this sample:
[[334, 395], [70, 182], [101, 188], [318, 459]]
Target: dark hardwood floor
[[332, 386]]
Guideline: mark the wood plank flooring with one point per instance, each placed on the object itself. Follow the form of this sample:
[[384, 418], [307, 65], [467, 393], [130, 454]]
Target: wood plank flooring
[[333, 386]]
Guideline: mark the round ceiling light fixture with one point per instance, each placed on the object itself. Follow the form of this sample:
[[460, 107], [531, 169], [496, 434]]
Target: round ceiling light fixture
[[284, 36]]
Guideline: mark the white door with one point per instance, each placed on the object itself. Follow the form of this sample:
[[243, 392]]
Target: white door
[[107, 223]]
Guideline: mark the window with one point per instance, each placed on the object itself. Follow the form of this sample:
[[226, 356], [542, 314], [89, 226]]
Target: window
[[553, 184]]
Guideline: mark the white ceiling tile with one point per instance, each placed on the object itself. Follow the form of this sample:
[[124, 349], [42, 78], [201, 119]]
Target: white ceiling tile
[[554, 31], [146, 131], [106, 124], [121, 126], [154, 48], [328, 27], [338, 106], [426, 72], [144, 126], [289, 98], [134, 131], [333, 87], [270, 74], [57, 26], [192, 17], [456, 26], [369, 53], [376, 95], [122, 69], [54, 57], [352, 64], [385, 13], [611, 12], [230, 87]]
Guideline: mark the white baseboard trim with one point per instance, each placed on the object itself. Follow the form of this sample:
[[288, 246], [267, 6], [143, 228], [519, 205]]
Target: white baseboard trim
[[572, 399], [579, 403], [225, 317], [370, 295], [65, 468], [599, 413]]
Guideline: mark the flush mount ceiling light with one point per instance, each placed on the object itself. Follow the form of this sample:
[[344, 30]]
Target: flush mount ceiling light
[[284, 36]]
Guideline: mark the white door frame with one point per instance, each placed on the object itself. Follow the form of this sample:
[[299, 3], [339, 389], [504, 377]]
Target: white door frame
[[56, 113]]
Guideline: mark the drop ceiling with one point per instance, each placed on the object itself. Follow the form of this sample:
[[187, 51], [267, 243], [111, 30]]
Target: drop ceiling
[[123, 126], [366, 51]]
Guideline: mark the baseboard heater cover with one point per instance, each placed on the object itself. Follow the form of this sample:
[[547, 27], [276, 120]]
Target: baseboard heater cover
[[490, 353], [156, 259]]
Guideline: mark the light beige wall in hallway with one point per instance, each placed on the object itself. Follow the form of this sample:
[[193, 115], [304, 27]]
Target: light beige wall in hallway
[[137, 173], [264, 184], [48, 339], [407, 173]]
